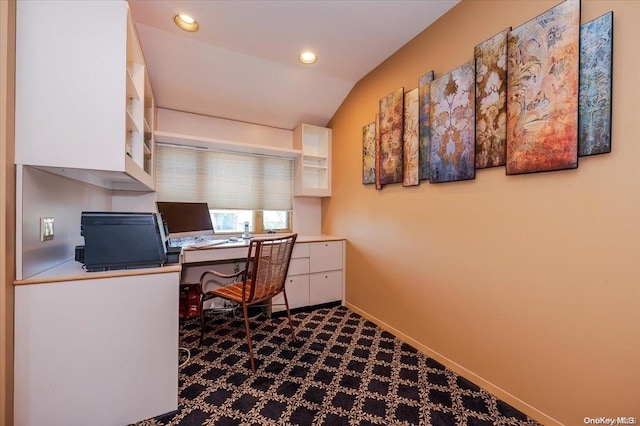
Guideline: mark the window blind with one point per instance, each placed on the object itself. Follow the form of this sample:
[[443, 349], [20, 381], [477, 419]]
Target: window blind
[[223, 180]]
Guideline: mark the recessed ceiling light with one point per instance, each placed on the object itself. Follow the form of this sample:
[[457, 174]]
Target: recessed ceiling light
[[186, 22], [307, 57]]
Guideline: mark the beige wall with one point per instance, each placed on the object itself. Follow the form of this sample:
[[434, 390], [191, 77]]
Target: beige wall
[[528, 285], [7, 208]]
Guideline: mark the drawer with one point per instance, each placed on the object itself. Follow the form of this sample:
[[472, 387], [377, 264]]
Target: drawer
[[325, 287], [299, 266], [212, 254], [297, 288], [300, 250], [325, 256]]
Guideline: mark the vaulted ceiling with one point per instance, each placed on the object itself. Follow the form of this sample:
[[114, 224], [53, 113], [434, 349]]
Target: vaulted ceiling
[[242, 64]]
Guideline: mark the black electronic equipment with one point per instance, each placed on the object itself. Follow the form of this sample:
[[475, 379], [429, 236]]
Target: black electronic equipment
[[185, 219], [117, 240]]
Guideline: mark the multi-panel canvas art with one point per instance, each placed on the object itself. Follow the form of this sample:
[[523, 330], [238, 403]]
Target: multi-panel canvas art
[[452, 125], [424, 99], [390, 133], [596, 55], [542, 88], [410, 150], [369, 153], [491, 101], [533, 99]]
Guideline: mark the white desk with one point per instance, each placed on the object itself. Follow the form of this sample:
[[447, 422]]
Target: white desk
[[316, 272], [238, 249]]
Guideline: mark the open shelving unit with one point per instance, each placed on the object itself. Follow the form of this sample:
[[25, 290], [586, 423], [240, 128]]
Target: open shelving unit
[[313, 166]]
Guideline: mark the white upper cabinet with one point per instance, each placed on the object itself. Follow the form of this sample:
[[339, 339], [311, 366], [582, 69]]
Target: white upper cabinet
[[84, 106], [313, 166]]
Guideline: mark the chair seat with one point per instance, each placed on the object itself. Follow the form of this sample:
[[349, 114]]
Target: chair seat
[[232, 292]]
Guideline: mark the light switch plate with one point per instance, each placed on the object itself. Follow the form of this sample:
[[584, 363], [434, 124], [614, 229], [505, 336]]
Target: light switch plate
[[46, 228]]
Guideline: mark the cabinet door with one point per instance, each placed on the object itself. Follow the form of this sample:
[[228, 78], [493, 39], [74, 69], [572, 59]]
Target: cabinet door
[[299, 266], [325, 287], [72, 114], [297, 288], [325, 256], [79, 341], [300, 250]]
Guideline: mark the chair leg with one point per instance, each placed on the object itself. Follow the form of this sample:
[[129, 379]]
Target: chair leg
[[245, 310], [201, 319], [286, 304]]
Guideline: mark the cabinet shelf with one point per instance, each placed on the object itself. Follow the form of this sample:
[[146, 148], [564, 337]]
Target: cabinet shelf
[[307, 157], [132, 89], [131, 123], [314, 167], [223, 145]]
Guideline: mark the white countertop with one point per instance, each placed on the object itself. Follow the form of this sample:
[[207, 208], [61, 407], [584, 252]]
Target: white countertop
[[72, 270]]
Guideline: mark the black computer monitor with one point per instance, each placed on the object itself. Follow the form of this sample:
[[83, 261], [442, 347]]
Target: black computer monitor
[[185, 219]]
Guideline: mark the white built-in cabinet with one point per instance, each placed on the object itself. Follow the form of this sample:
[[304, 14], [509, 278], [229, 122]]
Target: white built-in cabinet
[[313, 166], [84, 105], [316, 275], [96, 348]]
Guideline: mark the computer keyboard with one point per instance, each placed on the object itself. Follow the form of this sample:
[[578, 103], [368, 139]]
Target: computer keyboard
[[197, 242], [206, 243]]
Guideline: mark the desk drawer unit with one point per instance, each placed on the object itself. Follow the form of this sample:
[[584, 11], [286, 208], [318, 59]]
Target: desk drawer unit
[[325, 287], [300, 250], [297, 287], [297, 283], [299, 266], [325, 256], [213, 254], [315, 275]]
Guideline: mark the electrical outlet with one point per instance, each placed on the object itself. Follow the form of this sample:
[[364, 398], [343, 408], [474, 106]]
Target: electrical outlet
[[46, 228]]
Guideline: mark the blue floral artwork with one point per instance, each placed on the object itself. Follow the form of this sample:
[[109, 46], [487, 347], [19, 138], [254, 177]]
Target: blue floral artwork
[[594, 111], [424, 100], [542, 91], [452, 125]]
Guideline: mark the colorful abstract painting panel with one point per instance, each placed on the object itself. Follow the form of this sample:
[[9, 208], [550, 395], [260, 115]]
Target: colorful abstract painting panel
[[452, 125], [424, 98], [377, 161], [391, 129], [369, 153], [410, 150], [491, 101], [596, 55], [542, 88]]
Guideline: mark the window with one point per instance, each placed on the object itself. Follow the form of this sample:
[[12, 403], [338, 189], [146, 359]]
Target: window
[[238, 188], [260, 221]]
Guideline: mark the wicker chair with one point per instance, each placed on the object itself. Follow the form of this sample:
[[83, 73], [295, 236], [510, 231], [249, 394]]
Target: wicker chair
[[262, 278]]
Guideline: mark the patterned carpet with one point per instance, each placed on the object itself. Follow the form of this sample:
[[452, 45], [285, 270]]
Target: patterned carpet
[[343, 370]]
